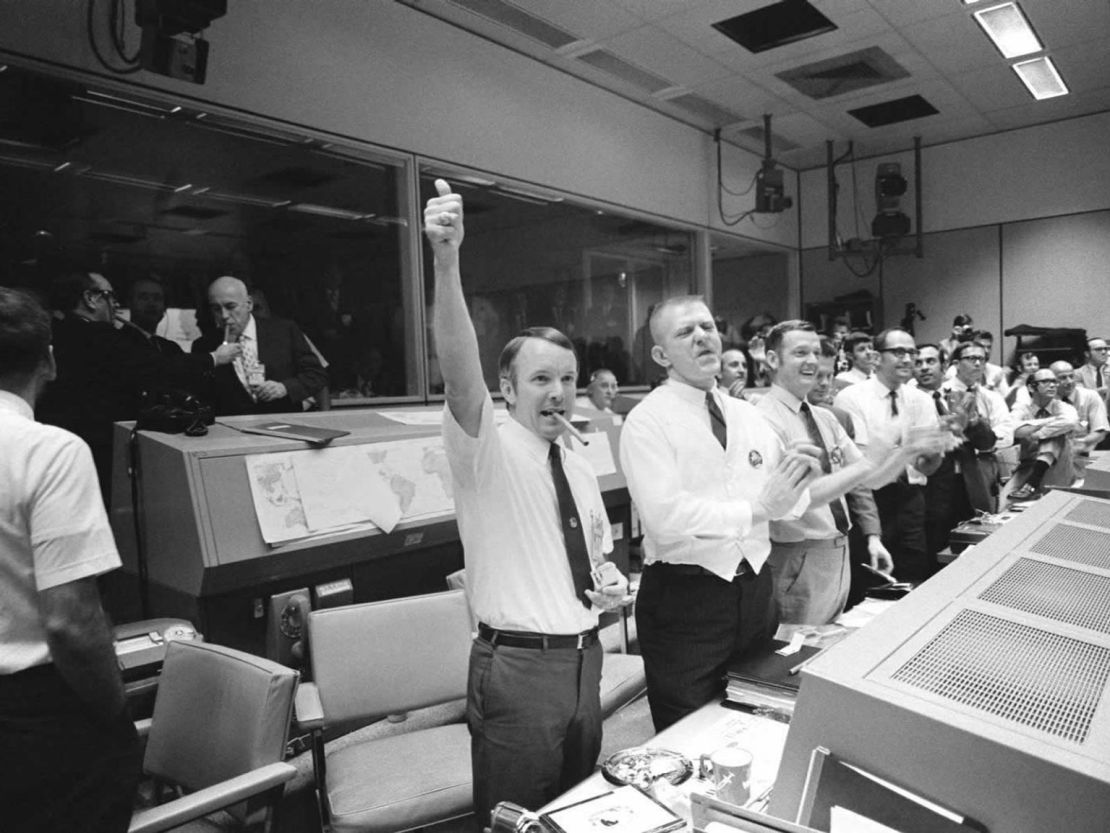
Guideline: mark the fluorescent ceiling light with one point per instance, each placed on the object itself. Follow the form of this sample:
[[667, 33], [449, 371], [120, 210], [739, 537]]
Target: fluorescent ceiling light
[[1041, 77], [1007, 27]]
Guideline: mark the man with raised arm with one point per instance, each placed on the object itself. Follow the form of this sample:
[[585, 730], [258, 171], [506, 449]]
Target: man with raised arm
[[68, 750], [535, 533]]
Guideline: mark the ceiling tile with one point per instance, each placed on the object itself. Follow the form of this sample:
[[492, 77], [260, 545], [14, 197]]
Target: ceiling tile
[[1063, 24], [592, 21], [952, 43], [668, 56]]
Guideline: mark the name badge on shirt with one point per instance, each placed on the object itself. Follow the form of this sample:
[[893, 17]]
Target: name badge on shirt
[[836, 456], [755, 459]]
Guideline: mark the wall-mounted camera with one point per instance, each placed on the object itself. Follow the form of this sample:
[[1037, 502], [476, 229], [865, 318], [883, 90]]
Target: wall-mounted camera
[[171, 43]]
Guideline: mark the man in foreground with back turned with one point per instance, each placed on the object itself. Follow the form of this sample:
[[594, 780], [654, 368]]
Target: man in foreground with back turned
[[535, 533], [68, 750]]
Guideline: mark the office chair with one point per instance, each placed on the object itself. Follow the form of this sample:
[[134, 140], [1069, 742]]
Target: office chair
[[220, 723], [376, 659]]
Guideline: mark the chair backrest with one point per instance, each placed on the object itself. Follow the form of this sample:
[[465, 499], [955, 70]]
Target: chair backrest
[[218, 713], [370, 660]]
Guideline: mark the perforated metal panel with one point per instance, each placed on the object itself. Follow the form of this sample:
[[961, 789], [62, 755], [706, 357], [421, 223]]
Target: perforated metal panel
[[1033, 677], [1074, 543], [1060, 593], [1093, 512]]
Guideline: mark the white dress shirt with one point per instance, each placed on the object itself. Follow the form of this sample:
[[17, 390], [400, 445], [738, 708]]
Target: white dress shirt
[[694, 497], [508, 517], [869, 405]]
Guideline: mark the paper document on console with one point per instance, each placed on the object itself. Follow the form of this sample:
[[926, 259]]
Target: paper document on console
[[341, 486]]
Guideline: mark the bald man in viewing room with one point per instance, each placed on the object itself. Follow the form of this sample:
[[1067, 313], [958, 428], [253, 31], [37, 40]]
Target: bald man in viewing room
[[277, 371]]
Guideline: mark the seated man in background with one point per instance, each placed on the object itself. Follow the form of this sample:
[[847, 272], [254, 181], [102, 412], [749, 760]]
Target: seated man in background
[[277, 370], [1043, 426], [146, 302], [600, 392], [860, 349], [1093, 424], [101, 373], [70, 753]]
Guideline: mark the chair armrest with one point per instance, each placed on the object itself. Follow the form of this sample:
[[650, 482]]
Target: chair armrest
[[194, 805], [308, 711]]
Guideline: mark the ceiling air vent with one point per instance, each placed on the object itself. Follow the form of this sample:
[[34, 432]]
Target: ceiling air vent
[[891, 112], [520, 21], [844, 73], [713, 113], [629, 73], [776, 25]]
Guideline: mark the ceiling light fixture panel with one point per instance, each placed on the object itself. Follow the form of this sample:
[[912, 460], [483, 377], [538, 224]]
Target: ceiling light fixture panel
[[1009, 30], [1041, 78]]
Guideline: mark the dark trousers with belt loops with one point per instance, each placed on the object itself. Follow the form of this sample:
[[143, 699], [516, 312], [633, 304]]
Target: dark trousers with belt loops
[[64, 770], [534, 715], [690, 624]]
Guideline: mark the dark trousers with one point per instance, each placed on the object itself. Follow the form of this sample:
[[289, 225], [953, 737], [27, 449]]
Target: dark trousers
[[901, 508], [63, 770], [690, 625], [535, 722]]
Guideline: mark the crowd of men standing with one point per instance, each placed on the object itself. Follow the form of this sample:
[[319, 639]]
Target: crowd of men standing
[[750, 509]]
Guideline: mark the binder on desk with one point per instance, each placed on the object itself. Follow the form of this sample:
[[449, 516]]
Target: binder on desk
[[767, 679], [294, 431], [833, 785]]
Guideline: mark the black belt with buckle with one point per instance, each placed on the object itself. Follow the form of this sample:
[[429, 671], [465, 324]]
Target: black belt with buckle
[[538, 641], [742, 569]]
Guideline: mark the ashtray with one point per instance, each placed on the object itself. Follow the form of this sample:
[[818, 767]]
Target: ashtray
[[641, 765]]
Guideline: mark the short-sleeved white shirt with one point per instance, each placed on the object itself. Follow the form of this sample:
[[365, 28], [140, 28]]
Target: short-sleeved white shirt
[[517, 573], [869, 404], [53, 528]]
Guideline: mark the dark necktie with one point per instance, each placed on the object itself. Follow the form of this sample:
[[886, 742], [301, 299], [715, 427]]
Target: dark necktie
[[840, 517], [1098, 376], [573, 535], [717, 420], [1042, 413], [938, 400], [893, 403]]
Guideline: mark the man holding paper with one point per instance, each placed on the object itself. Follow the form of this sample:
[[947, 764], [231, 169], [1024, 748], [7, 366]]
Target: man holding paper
[[535, 534]]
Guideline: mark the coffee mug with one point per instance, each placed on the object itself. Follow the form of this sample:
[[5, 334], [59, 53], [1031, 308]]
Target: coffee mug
[[729, 771]]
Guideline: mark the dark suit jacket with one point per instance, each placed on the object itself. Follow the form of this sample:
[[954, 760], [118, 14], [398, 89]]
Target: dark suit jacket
[[288, 359]]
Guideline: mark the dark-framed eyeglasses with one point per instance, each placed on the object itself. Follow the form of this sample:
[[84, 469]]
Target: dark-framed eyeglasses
[[103, 293], [900, 352], [974, 359]]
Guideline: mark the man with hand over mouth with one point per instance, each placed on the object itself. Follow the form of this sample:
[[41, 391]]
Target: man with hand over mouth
[[535, 534]]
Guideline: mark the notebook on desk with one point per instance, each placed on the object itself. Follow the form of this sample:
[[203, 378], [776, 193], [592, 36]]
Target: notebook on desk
[[294, 431]]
